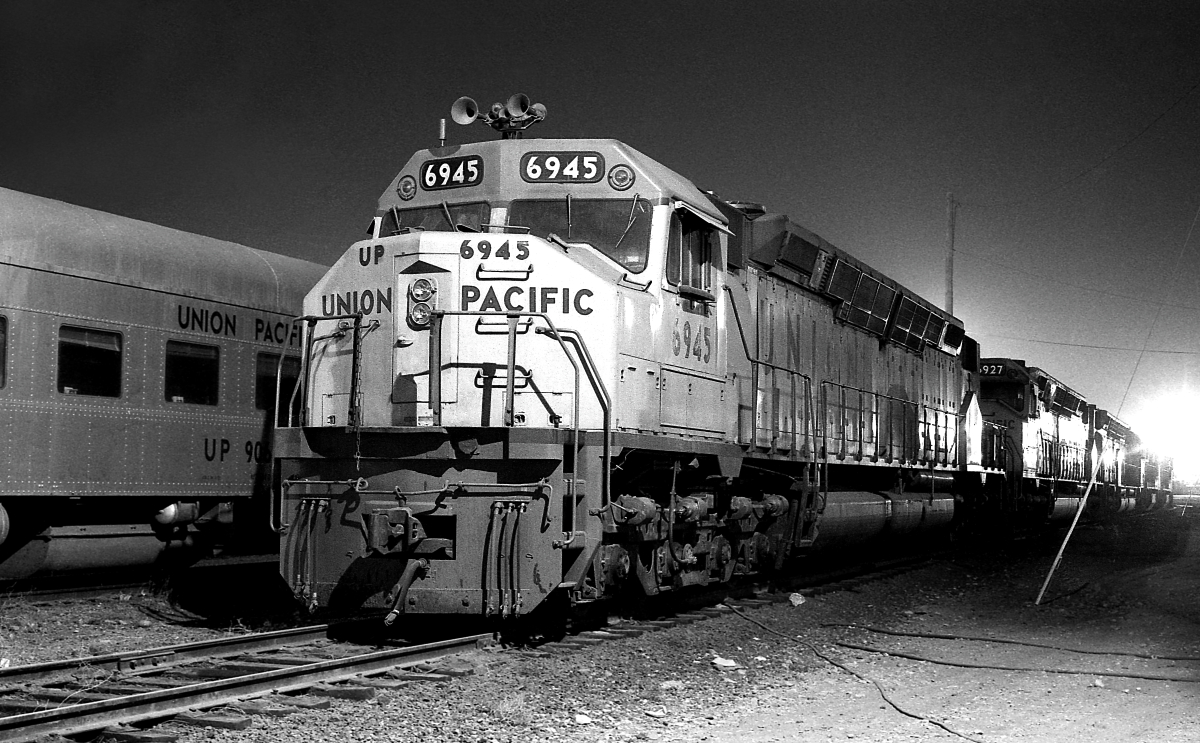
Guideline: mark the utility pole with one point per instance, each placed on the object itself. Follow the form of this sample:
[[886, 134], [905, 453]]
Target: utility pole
[[951, 209]]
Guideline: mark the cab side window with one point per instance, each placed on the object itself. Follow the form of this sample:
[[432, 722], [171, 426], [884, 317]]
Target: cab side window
[[690, 250], [192, 373], [89, 362]]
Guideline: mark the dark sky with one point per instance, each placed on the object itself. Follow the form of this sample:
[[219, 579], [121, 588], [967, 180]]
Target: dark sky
[[1067, 129]]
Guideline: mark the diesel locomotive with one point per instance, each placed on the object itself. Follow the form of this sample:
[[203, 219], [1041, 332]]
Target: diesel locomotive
[[556, 370], [1060, 445], [138, 367]]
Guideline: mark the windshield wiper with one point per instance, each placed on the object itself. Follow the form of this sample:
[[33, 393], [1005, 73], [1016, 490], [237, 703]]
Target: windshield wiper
[[632, 218]]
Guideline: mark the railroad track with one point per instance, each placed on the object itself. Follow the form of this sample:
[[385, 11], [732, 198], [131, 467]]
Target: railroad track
[[286, 670], [275, 672]]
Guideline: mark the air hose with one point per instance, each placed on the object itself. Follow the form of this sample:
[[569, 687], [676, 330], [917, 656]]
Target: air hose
[[406, 580]]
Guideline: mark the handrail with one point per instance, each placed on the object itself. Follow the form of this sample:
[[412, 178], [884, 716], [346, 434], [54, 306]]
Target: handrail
[[932, 420], [593, 373], [301, 386], [755, 365], [353, 413], [435, 362], [275, 509], [995, 442]]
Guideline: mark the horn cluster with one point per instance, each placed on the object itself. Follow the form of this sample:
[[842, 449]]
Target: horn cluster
[[510, 119]]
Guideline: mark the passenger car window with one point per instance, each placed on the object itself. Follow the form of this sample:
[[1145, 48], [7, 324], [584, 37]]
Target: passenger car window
[[264, 383], [192, 373], [618, 228], [89, 362]]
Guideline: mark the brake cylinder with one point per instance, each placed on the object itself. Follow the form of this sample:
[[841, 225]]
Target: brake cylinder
[[774, 505], [632, 510], [690, 509], [740, 507]]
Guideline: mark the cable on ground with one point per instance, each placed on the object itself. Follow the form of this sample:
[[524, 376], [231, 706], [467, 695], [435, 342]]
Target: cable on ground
[[1006, 641], [989, 667], [879, 687]]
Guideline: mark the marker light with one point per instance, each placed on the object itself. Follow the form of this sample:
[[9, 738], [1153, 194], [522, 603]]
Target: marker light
[[420, 314], [422, 290]]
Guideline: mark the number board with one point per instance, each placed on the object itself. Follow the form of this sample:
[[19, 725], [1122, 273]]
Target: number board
[[992, 370], [562, 167], [452, 172]]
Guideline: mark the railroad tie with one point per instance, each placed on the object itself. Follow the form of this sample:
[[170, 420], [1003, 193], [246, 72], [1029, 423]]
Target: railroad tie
[[124, 734], [343, 691], [214, 720]]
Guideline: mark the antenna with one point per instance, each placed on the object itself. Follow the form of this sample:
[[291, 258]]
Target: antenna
[[510, 118]]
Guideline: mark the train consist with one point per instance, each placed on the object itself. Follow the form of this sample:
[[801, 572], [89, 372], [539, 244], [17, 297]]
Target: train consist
[[558, 372], [1059, 443], [138, 369]]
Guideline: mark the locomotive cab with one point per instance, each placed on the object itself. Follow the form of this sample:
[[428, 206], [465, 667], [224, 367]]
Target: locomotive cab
[[549, 234]]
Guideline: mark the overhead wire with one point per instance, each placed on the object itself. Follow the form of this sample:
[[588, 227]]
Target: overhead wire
[[1085, 345], [1158, 313], [1120, 408], [1062, 282], [1158, 306], [1091, 168]]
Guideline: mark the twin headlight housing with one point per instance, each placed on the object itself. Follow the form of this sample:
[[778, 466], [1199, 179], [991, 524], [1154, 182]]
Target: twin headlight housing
[[422, 299]]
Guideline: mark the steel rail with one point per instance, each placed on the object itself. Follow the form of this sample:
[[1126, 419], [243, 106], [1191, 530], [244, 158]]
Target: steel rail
[[79, 718], [135, 660]]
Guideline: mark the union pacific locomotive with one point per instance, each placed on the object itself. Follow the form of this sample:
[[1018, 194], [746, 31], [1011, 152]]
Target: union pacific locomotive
[[1059, 444], [557, 370]]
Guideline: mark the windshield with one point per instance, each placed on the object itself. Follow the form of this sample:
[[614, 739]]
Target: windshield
[[1011, 394], [619, 228], [433, 218]]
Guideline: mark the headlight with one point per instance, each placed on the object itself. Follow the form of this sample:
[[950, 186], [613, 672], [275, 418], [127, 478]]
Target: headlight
[[420, 314], [421, 290]]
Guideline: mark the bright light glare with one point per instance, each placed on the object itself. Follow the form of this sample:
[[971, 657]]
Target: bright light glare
[[1168, 427]]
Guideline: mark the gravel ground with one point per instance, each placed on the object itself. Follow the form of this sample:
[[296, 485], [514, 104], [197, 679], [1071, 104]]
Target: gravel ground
[[757, 678], [207, 607], [39, 631]]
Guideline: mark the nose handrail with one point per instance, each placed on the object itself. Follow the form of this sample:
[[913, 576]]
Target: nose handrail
[[435, 361], [593, 373]]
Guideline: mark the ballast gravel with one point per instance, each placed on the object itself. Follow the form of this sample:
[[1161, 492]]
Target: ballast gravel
[[728, 678]]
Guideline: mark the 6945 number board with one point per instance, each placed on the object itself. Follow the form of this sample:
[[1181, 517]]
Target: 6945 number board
[[451, 172], [562, 167]]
